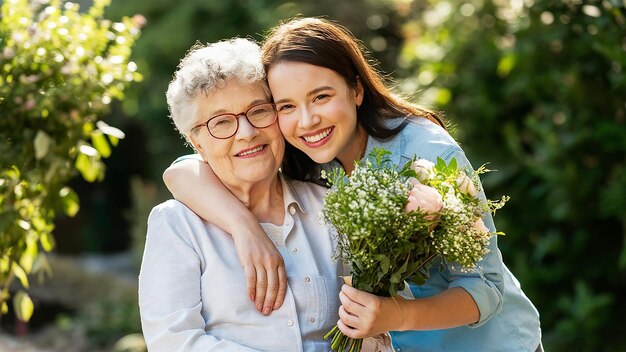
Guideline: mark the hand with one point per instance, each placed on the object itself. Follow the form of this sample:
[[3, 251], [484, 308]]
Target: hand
[[264, 269], [363, 314]]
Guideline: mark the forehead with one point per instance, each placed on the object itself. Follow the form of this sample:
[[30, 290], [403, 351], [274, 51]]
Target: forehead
[[235, 97], [287, 76]]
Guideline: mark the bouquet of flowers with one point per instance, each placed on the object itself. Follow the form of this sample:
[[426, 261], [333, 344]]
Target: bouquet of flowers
[[391, 223]]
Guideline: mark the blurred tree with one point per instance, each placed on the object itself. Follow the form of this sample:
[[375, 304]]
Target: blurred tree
[[538, 88], [60, 69], [151, 141], [173, 27]]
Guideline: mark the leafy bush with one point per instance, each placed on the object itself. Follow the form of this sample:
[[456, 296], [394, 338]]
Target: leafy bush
[[538, 88], [60, 69]]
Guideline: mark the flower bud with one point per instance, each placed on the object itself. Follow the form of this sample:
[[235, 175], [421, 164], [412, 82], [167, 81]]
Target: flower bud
[[425, 198], [424, 169], [479, 226], [465, 185]]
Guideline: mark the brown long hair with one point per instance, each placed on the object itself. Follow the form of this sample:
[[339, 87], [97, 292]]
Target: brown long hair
[[323, 43]]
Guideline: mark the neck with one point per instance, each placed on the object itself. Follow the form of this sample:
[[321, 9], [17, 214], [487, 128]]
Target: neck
[[264, 199], [354, 151]]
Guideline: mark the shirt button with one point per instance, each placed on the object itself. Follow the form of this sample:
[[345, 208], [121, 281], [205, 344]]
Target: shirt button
[[292, 210], [295, 250], [290, 322], [311, 320], [307, 279]]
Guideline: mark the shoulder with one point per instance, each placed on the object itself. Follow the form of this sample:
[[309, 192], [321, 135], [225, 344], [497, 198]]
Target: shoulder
[[425, 131], [170, 207], [195, 157], [173, 214], [425, 139]]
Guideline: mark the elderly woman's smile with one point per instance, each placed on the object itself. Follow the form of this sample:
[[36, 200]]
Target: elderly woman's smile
[[225, 135]]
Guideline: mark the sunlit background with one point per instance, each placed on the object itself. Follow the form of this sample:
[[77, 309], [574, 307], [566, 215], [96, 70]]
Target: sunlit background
[[535, 88]]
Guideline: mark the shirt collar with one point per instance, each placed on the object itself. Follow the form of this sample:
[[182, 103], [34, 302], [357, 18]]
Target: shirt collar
[[290, 196], [395, 144]]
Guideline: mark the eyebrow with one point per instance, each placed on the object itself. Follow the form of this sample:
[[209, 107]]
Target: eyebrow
[[253, 103], [309, 94]]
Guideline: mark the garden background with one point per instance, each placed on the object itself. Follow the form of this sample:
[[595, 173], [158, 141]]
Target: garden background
[[536, 88]]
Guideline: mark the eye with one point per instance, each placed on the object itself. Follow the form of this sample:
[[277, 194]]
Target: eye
[[221, 122], [260, 110], [321, 97], [285, 108]]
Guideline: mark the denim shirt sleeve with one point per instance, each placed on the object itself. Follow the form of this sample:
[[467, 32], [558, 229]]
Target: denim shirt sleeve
[[195, 156], [423, 139], [485, 282]]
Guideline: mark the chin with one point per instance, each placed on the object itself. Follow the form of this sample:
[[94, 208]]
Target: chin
[[321, 158]]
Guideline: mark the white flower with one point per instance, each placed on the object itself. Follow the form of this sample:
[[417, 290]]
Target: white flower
[[466, 185], [424, 169]]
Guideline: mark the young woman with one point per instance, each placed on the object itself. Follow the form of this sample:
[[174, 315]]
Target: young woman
[[333, 108]]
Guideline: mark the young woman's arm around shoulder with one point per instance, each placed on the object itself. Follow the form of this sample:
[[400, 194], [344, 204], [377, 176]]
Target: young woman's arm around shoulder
[[193, 183]]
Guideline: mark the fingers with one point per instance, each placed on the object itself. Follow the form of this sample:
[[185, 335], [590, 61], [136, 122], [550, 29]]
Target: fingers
[[271, 285], [349, 330], [272, 290], [250, 274], [359, 297], [282, 287], [349, 319], [261, 287], [349, 305]]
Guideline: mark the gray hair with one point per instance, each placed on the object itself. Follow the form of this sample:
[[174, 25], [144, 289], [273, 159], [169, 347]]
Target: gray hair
[[207, 68]]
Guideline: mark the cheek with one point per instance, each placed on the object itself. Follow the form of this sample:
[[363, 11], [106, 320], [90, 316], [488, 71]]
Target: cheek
[[342, 114], [287, 124]]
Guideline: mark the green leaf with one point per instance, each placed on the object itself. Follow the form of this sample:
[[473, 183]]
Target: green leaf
[[87, 167], [20, 274], [506, 64], [28, 256], [69, 200], [47, 242], [452, 165], [100, 143], [441, 164], [42, 143], [42, 267], [23, 306], [5, 308]]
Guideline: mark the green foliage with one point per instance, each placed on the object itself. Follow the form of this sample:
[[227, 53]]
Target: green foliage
[[59, 70], [538, 87]]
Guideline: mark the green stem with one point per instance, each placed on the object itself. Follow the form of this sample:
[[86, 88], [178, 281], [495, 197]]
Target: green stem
[[330, 332]]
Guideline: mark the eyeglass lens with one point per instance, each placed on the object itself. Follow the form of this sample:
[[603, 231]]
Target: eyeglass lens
[[225, 125]]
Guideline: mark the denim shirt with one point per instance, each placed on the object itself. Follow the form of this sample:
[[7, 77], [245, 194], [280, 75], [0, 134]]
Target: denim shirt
[[508, 320]]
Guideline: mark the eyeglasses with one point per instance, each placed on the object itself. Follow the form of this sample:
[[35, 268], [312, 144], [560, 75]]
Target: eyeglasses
[[224, 126]]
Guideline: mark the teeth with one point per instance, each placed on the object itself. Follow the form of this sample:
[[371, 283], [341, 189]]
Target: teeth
[[318, 137], [247, 152]]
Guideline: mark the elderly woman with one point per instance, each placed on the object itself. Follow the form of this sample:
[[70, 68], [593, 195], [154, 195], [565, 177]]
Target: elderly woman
[[192, 287]]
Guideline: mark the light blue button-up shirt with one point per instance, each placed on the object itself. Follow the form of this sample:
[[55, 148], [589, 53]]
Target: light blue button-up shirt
[[192, 289], [508, 320]]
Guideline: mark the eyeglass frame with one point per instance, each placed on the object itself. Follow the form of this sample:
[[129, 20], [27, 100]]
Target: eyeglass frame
[[244, 113]]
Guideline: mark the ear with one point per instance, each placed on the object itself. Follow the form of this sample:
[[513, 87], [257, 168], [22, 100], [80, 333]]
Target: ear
[[192, 137], [359, 92]]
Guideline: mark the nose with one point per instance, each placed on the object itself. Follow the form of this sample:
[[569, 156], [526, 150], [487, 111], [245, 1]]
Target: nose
[[245, 131], [308, 119]]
